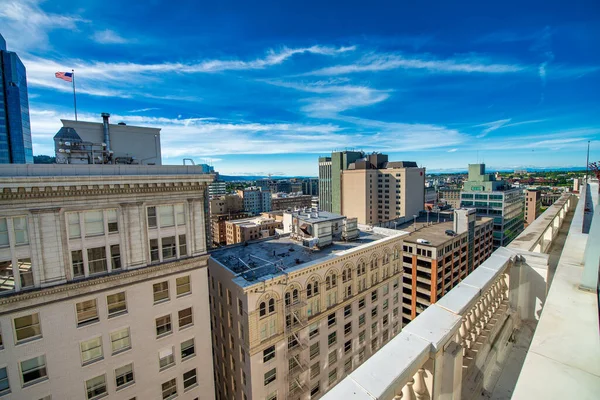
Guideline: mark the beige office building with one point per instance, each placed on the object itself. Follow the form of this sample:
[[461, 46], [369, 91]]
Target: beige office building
[[245, 230], [376, 191], [290, 202], [290, 321], [533, 205], [103, 283]]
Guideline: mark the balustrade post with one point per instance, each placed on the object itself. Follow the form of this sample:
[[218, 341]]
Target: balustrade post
[[473, 330], [420, 386], [462, 332], [408, 391]]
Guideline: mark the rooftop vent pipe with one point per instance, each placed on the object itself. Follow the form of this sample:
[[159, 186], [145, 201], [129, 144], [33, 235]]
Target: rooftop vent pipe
[[105, 117]]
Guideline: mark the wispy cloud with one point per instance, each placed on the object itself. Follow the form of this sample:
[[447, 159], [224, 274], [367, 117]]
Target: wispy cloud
[[384, 62], [491, 126], [109, 36], [452, 150], [143, 110], [26, 25]]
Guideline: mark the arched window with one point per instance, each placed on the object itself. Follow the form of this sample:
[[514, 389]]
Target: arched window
[[262, 309], [288, 299], [295, 296], [308, 290], [316, 288], [344, 279], [328, 283], [333, 280], [271, 306]]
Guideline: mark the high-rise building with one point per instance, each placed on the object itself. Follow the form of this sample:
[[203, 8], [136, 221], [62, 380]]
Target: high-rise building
[[377, 191], [310, 186], [290, 202], [437, 257], [496, 199], [330, 175], [103, 282], [15, 128], [533, 205], [290, 321], [217, 188], [256, 200]]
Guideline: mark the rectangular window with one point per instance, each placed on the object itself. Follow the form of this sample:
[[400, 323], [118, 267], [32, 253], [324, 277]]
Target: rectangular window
[[74, 227], [27, 327], [154, 255], [166, 216], [113, 225], [3, 233], [163, 325], [315, 370], [188, 349], [361, 337], [361, 319], [182, 246], [313, 330], [33, 370], [4, 384], [189, 379], [87, 312], [117, 304], [151, 212], [374, 295], [268, 354], [348, 328], [348, 365], [270, 376], [331, 320], [332, 339], [124, 376], [20, 230], [77, 263], [185, 318], [168, 247], [180, 214], [347, 310], [361, 303], [332, 358], [385, 305], [120, 340], [166, 358], [169, 389], [161, 291], [7, 279], [332, 376], [348, 347], [374, 344], [94, 223], [361, 355], [91, 350], [374, 312], [314, 350], [385, 320], [315, 390], [183, 285], [115, 257], [96, 387], [97, 260]]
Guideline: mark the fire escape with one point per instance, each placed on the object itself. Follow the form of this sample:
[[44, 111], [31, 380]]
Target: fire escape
[[295, 322]]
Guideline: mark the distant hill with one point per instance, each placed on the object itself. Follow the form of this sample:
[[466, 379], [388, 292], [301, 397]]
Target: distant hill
[[232, 178]]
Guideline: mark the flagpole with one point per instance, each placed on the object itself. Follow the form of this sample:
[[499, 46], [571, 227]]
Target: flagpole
[[74, 96]]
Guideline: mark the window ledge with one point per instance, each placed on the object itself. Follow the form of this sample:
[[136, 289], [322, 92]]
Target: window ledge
[[125, 386], [118, 314], [195, 385], [166, 367], [162, 301], [188, 357], [163, 335], [184, 294], [88, 323], [89, 362], [35, 382], [28, 340], [182, 328], [121, 351]]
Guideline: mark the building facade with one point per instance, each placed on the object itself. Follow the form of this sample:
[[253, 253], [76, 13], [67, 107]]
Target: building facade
[[127, 144], [247, 229], [376, 191], [325, 183], [495, 199], [104, 283], [256, 200], [310, 186], [15, 127], [450, 196], [217, 188], [290, 202], [533, 205], [294, 324]]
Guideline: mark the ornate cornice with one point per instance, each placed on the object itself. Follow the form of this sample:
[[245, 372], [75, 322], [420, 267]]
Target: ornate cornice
[[48, 192], [91, 285]]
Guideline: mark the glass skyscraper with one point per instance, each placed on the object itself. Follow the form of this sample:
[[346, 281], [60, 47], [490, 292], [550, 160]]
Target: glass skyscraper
[[15, 128]]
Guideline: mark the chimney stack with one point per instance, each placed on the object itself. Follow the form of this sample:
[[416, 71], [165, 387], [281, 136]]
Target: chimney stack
[[105, 117]]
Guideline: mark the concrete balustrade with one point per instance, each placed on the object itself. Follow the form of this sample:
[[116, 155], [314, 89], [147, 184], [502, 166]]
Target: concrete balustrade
[[448, 351]]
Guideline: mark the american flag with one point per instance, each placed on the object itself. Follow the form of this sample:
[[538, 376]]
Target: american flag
[[65, 76]]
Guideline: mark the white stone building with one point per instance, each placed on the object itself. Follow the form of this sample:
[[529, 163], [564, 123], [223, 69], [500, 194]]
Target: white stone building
[[103, 283]]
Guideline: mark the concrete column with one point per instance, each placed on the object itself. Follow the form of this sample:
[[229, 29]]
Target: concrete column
[[447, 376], [135, 252]]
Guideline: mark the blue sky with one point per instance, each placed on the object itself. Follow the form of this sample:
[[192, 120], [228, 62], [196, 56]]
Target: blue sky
[[267, 87]]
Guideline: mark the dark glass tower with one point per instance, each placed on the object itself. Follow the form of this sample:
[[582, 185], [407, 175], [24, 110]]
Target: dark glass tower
[[15, 129]]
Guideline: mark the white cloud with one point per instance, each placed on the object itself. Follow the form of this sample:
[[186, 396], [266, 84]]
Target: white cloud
[[452, 150], [384, 62], [492, 126], [25, 25], [144, 109], [108, 36]]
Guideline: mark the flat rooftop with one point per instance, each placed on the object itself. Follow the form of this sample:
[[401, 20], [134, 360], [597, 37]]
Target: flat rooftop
[[315, 217], [267, 259], [32, 170], [435, 233]]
